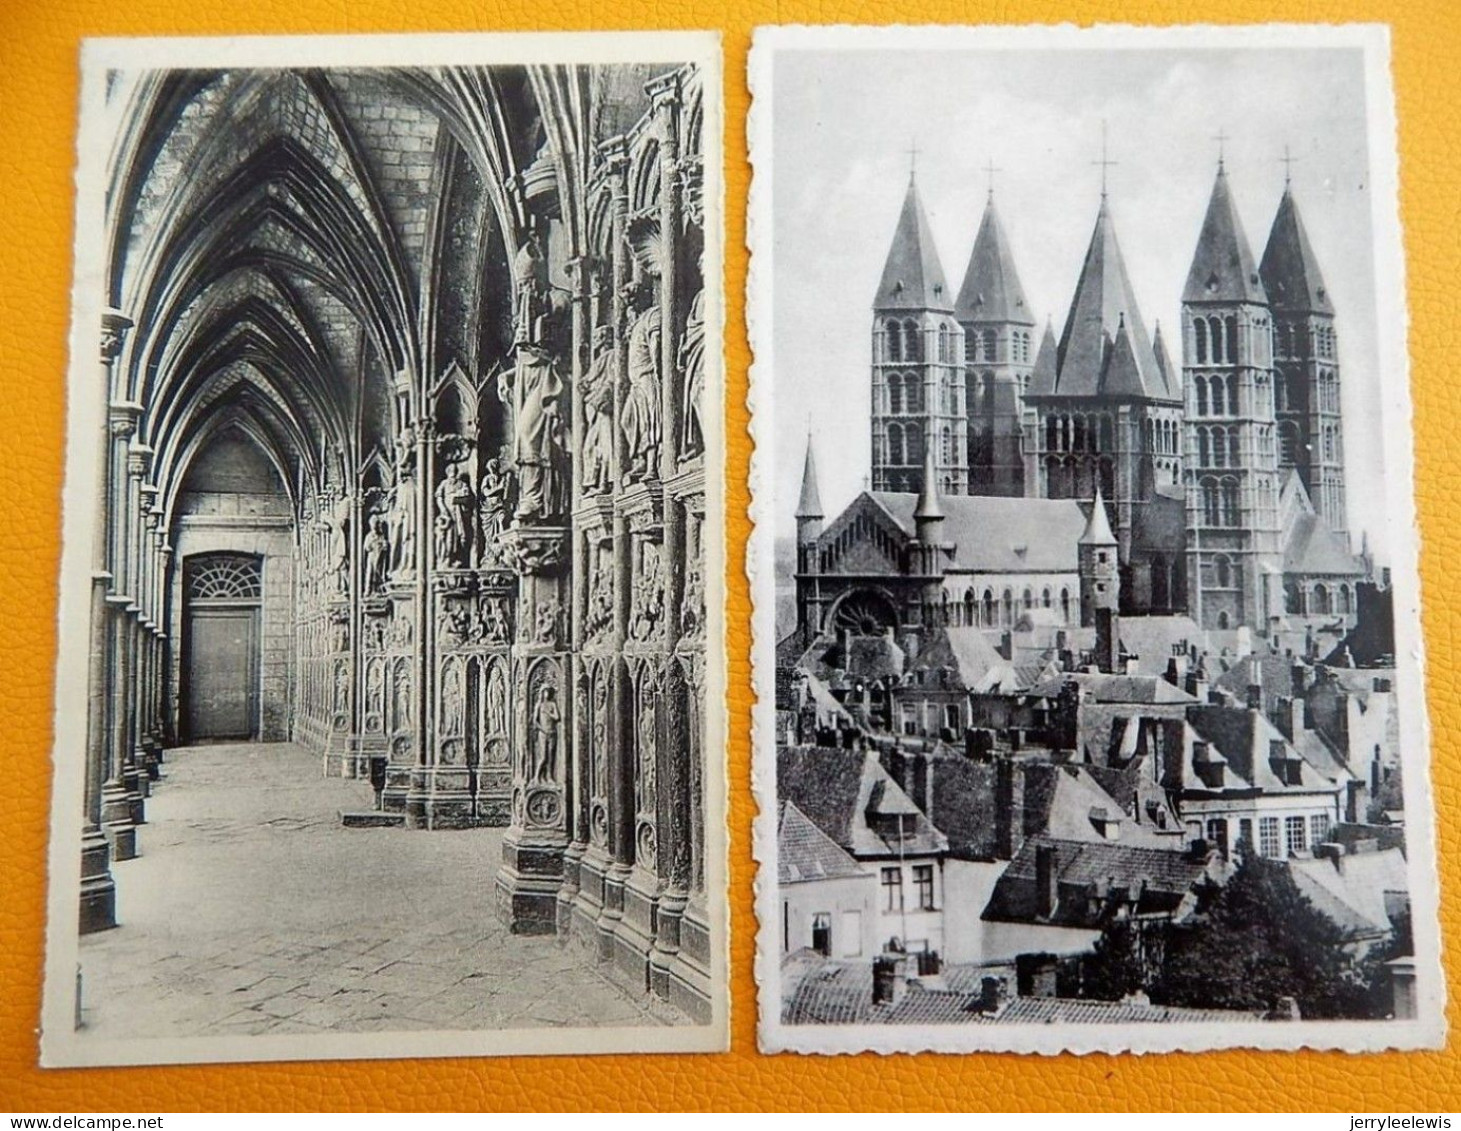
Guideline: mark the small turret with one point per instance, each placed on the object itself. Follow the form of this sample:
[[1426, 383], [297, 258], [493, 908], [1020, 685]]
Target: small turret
[[1100, 573], [928, 516], [809, 506]]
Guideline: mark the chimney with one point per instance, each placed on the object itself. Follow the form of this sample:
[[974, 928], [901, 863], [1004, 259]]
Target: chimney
[[1298, 680], [1009, 808], [890, 978], [1046, 882], [992, 994], [1330, 850], [1255, 697]]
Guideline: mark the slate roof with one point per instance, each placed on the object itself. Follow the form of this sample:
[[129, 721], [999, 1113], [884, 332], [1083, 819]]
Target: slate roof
[[1064, 802], [1042, 376], [805, 853], [991, 291], [1289, 270], [972, 658], [1222, 266], [913, 278], [999, 535], [835, 993], [840, 790], [1310, 545], [1095, 358], [1151, 640], [1246, 739], [1159, 879], [1365, 885], [1112, 688]]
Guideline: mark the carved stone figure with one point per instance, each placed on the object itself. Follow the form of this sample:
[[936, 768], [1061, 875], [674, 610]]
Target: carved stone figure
[[546, 718], [376, 547], [648, 603], [340, 544], [456, 501], [692, 366], [600, 735], [451, 699], [546, 625], [600, 612], [402, 526], [538, 439], [496, 701], [641, 420], [645, 791], [496, 503], [598, 407], [401, 696], [493, 622], [530, 282]]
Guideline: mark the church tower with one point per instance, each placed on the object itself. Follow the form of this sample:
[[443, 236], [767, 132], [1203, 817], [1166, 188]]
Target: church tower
[[1234, 555], [998, 357], [1100, 576], [1101, 406], [918, 399], [1306, 364]]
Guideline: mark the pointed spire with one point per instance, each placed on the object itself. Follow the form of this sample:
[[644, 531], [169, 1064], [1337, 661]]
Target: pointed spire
[[991, 291], [1098, 525], [913, 278], [810, 503], [1289, 269], [1164, 359], [1042, 376], [929, 506], [1103, 301], [1222, 267]]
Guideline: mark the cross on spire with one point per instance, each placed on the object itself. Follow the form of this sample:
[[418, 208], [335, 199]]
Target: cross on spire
[[912, 158], [1221, 137], [990, 170], [1288, 165], [1105, 162]]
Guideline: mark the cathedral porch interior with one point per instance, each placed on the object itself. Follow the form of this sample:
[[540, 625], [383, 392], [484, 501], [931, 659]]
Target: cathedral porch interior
[[401, 462]]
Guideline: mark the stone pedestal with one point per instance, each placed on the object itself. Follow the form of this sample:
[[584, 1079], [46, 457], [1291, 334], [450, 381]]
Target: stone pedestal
[[117, 823], [634, 932], [689, 985], [529, 880], [440, 797], [98, 892]]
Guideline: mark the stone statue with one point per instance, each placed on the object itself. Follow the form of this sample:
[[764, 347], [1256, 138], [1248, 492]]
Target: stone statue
[[538, 440], [377, 546], [546, 717], [547, 623], [451, 701], [456, 502], [496, 702], [401, 697], [598, 407], [402, 525], [641, 420], [692, 366], [340, 544], [530, 282], [496, 502]]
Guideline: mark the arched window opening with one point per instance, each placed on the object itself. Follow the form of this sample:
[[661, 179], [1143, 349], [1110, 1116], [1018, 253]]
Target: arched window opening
[[894, 331], [988, 608], [1231, 325], [1199, 330], [1065, 605]]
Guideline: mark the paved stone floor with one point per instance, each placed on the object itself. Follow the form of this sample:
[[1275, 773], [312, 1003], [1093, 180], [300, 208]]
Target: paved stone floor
[[251, 910]]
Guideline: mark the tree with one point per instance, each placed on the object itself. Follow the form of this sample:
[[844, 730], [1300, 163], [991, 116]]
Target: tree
[[1258, 942], [1115, 968]]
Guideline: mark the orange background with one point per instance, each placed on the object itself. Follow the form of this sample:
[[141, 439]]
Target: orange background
[[38, 101]]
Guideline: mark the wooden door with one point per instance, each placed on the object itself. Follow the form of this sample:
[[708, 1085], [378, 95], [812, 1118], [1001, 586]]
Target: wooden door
[[222, 673]]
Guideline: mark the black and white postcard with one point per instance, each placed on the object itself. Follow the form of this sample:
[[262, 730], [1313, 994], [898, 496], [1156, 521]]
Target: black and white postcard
[[389, 697], [1090, 711]]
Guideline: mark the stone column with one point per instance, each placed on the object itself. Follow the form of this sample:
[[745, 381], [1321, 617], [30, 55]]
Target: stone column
[[98, 904], [121, 803], [576, 793], [672, 817]]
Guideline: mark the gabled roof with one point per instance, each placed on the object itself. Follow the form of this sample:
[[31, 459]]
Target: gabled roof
[[844, 793], [999, 535], [991, 291], [1310, 545], [1152, 639], [1247, 739], [972, 658], [1289, 270], [1158, 880], [1365, 885], [1112, 688], [1222, 266], [1088, 364], [805, 853], [913, 278]]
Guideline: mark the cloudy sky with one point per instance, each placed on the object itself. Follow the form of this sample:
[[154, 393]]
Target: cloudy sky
[[844, 122]]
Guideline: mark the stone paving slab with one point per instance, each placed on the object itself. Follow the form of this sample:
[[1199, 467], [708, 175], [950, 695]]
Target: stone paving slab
[[251, 910]]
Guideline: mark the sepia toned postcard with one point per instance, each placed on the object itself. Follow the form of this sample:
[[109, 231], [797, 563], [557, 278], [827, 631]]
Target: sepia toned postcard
[[1090, 705], [389, 701]]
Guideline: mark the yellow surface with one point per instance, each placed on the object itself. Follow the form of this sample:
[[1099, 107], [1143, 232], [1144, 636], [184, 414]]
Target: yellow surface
[[38, 99]]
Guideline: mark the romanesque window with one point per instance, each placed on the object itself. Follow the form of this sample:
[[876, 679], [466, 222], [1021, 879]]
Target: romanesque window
[[895, 444], [1200, 386], [1215, 338], [1065, 605], [1007, 608], [988, 617], [1045, 598], [1199, 329], [1230, 502], [895, 393], [991, 346], [1211, 503], [912, 341], [894, 330], [1321, 600], [225, 577], [1231, 325]]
